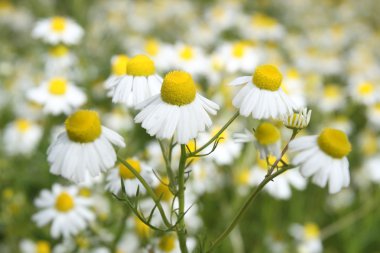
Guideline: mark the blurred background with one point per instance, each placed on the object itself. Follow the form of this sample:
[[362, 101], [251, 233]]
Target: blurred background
[[327, 50]]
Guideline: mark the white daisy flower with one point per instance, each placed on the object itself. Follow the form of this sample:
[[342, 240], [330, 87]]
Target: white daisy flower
[[68, 212], [131, 183], [332, 98], [323, 157], [263, 27], [21, 137], [240, 56], [59, 60], [268, 140], [179, 111], [119, 69], [373, 114], [308, 238], [84, 149], [364, 92], [57, 30], [28, 246], [191, 59], [139, 83], [297, 120], [280, 187], [57, 95], [262, 95]]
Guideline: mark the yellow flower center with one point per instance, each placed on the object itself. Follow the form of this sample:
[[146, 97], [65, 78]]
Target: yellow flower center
[[334, 143], [263, 21], [376, 107], [119, 65], [85, 192], [311, 231], [366, 88], [140, 65], [293, 73], [57, 86], [238, 49], [59, 51], [42, 247], [266, 134], [142, 230], [163, 191], [167, 243], [178, 88], [267, 77], [64, 202], [332, 91], [23, 125], [152, 47], [125, 173], [58, 24], [186, 53], [83, 126], [243, 176]]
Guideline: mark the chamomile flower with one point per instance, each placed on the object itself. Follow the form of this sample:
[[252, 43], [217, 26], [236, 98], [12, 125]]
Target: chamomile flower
[[280, 187], [68, 212], [57, 30], [364, 92], [332, 98], [131, 183], [118, 68], [28, 246], [191, 59], [21, 137], [308, 237], [84, 149], [268, 140], [59, 60], [323, 157], [57, 95], [262, 95], [298, 120], [140, 82], [373, 114], [240, 56], [263, 27], [179, 111]]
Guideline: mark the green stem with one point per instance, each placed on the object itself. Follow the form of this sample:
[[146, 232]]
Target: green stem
[[215, 136], [181, 229], [243, 209], [148, 189], [167, 164]]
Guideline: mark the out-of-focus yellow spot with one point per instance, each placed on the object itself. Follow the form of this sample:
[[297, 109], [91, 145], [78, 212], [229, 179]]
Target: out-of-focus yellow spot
[[366, 88], [142, 230], [57, 86], [125, 173], [64, 202], [23, 125], [58, 24], [59, 51], [162, 190], [152, 47], [186, 53], [167, 243], [311, 231]]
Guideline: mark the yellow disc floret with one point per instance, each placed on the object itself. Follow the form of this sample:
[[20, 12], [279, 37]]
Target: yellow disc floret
[[186, 53], [23, 125], [142, 230], [57, 86], [163, 191], [152, 47], [119, 65], [140, 65], [59, 51], [167, 243], [366, 88], [58, 24], [334, 143], [125, 173], [311, 231], [238, 49], [266, 134], [42, 247], [64, 202], [267, 77], [83, 126], [178, 88]]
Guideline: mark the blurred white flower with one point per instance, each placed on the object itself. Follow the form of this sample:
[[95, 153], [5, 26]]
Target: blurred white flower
[[57, 30], [65, 208]]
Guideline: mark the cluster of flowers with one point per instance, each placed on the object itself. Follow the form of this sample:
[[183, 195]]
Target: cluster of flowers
[[170, 108]]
